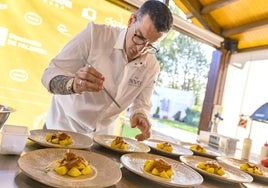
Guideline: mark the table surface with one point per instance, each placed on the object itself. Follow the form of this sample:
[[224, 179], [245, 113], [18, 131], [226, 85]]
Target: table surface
[[12, 177]]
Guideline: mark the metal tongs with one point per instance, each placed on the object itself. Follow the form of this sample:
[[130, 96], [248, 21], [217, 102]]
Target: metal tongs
[[108, 93]]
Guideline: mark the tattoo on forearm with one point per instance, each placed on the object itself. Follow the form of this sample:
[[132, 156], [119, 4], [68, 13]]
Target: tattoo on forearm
[[58, 85]]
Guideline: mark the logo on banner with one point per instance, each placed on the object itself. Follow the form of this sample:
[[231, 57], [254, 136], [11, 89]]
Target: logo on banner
[[63, 30], [59, 3], [33, 18], [89, 13], [3, 35]]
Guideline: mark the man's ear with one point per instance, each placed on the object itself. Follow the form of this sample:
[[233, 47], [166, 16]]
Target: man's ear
[[131, 19]]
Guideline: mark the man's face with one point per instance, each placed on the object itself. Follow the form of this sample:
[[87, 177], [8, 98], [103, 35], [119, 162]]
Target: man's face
[[140, 37]]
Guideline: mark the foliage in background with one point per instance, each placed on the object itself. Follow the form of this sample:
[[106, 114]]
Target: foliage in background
[[192, 116], [131, 133], [180, 125], [183, 64]]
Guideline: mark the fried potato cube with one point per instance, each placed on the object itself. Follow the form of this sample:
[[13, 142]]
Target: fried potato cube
[[221, 171], [244, 166], [193, 147], [201, 165], [118, 145], [155, 172], [169, 149], [70, 140], [148, 165], [55, 141], [251, 170], [48, 137], [169, 172], [210, 170], [74, 172], [64, 142], [87, 170], [160, 145], [163, 174], [113, 144], [258, 171], [62, 170], [124, 146], [81, 166]]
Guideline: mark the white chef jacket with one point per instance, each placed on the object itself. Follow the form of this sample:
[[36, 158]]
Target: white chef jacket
[[129, 83]]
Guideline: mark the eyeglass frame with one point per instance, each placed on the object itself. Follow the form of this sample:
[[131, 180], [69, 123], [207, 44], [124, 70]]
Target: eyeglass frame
[[149, 47]]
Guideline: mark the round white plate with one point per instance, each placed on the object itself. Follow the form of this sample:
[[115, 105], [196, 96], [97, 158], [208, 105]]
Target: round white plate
[[231, 174], [80, 141], [133, 145], [237, 162], [210, 152], [183, 175], [38, 165], [178, 150]]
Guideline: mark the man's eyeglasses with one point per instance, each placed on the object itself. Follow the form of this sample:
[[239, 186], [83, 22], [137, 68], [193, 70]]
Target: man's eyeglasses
[[139, 40]]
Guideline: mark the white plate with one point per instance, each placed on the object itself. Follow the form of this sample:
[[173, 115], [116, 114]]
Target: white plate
[[237, 162], [177, 149], [80, 141], [183, 175], [232, 174], [38, 165], [133, 145], [210, 152]]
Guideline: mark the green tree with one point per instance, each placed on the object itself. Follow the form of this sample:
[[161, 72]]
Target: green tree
[[183, 64]]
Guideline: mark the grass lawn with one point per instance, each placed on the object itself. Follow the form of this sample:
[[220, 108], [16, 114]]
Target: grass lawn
[[131, 133], [179, 125]]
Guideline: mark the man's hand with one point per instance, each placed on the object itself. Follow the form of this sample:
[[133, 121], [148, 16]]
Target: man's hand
[[88, 79], [140, 121]]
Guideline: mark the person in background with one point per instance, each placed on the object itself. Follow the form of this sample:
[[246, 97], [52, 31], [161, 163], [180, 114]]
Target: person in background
[[121, 60]]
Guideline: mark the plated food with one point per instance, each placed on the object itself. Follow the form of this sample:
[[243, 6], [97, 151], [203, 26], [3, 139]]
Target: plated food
[[212, 167], [119, 143], [167, 148], [60, 139], [256, 171], [158, 167], [41, 165], [231, 174], [198, 148], [202, 150], [129, 145], [72, 165], [180, 175], [251, 168]]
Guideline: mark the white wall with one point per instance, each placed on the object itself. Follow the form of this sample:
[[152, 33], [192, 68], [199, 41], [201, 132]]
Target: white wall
[[171, 101], [246, 89]]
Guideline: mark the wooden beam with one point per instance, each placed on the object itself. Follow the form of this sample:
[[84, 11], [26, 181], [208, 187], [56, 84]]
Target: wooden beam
[[257, 48], [216, 5], [205, 20], [246, 27], [194, 7], [209, 100], [124, 5]]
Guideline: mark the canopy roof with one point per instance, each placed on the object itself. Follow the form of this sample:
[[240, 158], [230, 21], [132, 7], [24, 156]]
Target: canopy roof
[[244, 22]]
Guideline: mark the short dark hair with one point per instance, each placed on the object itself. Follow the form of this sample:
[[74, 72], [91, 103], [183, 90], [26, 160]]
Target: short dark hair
[[159, 13]]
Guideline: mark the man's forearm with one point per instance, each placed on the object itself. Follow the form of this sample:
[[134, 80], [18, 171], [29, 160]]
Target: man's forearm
[[58, 85]]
